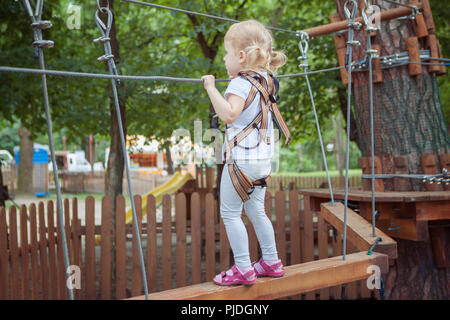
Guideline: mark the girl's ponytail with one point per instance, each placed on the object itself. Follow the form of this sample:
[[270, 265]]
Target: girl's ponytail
[[277, 60]]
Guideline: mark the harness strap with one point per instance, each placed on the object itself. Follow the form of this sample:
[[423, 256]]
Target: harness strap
[[243, 186], [267, 89]]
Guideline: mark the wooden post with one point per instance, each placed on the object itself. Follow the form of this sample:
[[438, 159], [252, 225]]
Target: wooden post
[[428, 16], [432, 44], [341, 48], [376, 71], [429, 166], [412, 45], [444, 160], [401, 167]]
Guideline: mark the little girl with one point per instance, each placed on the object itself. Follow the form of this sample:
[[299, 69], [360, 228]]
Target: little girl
[[247, 110]]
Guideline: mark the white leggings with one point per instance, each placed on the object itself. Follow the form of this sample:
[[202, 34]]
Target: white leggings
[[231, 209]]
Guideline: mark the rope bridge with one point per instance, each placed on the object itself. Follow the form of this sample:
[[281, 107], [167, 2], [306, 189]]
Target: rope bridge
[[299, 278]]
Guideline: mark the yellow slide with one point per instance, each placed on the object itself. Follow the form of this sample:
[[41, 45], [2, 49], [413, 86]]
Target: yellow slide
[[175, 183], [169, 187]]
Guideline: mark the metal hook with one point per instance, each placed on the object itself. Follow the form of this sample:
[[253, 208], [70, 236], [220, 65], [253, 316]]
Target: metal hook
[[303, 44], [99, 7], [105, 29], [350, 16]]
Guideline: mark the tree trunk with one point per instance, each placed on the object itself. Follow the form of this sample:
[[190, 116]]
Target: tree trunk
[[408, 121], [169, 161], [25, 183], [115, 170], [2, 188]]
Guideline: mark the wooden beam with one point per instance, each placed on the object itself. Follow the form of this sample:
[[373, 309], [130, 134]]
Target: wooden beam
[[359, 231], [342, 25], [407, 229], [432, 210], [299, 278]]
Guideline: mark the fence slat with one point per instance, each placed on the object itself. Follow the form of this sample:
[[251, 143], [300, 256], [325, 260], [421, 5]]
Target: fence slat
[[136, 279], [152, 248], [295, 227], [280, 233], [167, 243], [14, 250], [210, 251], [67, 228], [60, 260], [43, 252], [322, 239], [105, 251], [76, 240], [52, 251], [308, 237], [34, 254], [180, 225], [294, 224], [4, 288], [89, 255], [25, 268], [196, 239], [121, 258]]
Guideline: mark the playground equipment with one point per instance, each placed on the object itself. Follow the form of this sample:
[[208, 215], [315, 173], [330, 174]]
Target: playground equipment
[[40, 169], [299, 278]]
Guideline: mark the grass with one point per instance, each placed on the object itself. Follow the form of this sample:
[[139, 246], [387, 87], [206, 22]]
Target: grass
[[333, 173]]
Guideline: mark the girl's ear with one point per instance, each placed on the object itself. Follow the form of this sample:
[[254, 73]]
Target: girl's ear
[[242, 56]]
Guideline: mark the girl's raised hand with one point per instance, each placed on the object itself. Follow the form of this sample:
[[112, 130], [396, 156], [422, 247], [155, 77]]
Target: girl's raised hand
[[209, 81]]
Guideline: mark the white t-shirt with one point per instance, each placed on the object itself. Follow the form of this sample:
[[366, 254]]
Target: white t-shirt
[[241, 87]]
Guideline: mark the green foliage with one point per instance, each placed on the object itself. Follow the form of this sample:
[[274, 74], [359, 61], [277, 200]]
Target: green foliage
[[160, 42]]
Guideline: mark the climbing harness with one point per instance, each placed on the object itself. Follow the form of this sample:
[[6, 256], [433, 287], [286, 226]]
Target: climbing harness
[[109, 58], [268, 90], [303, 46], [40, 44]]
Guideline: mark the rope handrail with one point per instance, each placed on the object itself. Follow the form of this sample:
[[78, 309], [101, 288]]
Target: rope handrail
[[137, 78], [149, 4]]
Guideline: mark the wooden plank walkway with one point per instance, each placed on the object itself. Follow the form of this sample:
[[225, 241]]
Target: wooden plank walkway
[[299, 278]]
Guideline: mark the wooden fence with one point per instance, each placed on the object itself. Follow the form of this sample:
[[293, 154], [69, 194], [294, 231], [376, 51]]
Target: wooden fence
[[283, 183], [178, 251]]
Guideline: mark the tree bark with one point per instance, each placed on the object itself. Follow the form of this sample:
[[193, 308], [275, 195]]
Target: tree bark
[[169, 161], [25, 183], [408, 121]]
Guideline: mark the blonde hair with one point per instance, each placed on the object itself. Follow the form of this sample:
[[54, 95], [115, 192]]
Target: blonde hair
[[253, 37]]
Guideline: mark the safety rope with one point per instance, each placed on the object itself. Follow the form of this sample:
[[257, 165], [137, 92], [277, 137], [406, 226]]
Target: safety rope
[[371, 53], [136, 78], [352, 25], [303, 46], [149, 4], [40, 44], [109, 58]]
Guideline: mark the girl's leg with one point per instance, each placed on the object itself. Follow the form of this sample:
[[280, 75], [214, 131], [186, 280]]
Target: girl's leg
[[254, 209], [230, 211]]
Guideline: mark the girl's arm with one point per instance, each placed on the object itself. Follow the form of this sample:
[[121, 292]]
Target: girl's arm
[[227, 111]]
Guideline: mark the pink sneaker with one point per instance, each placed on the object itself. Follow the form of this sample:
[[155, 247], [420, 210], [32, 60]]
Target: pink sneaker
[[224, 279], [276, 270]]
